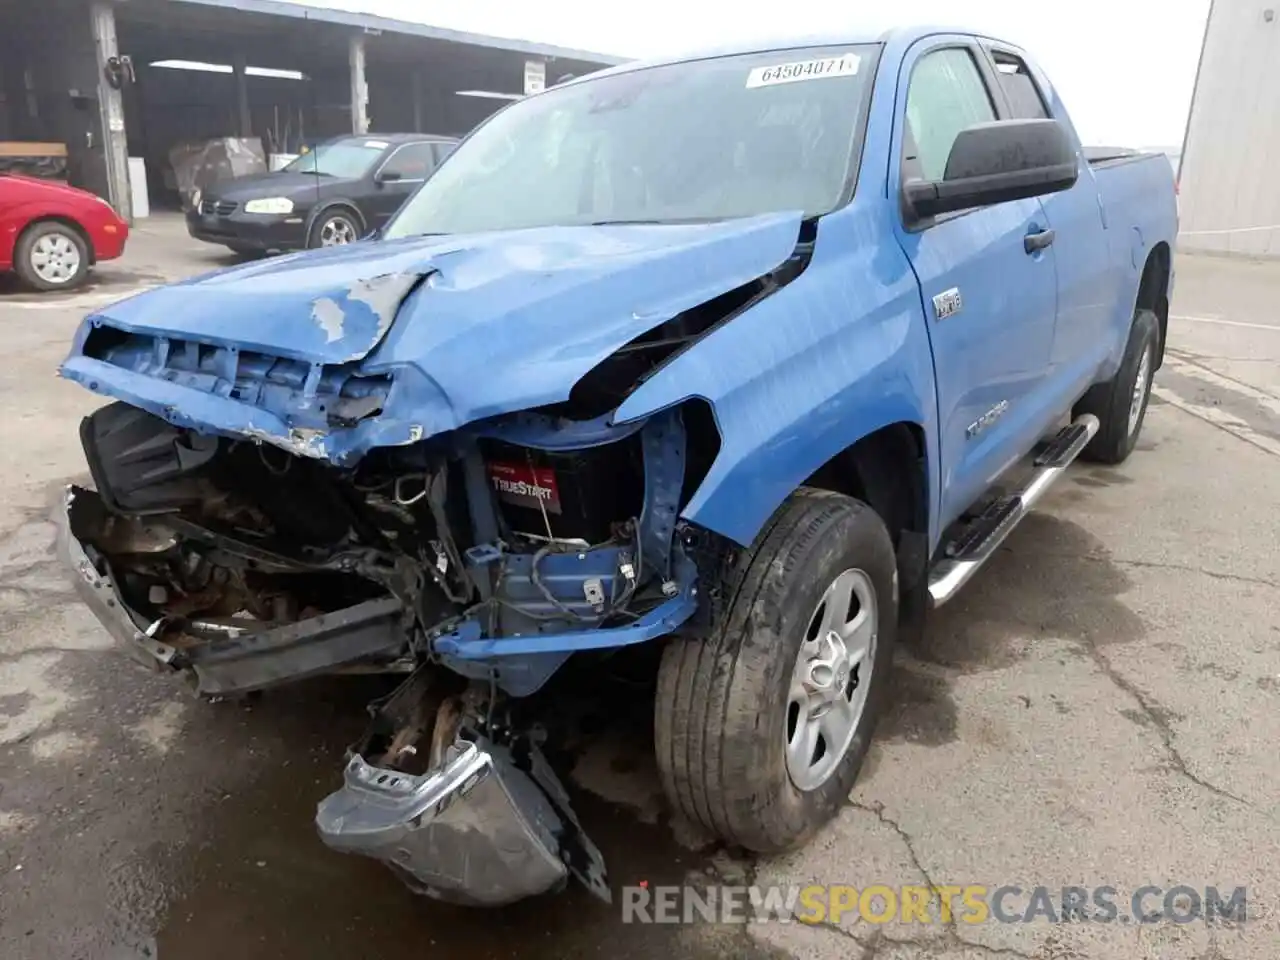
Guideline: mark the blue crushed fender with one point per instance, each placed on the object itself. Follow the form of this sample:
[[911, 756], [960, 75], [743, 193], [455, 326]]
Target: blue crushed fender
[[831, 357], [466, 644], [521, 665]]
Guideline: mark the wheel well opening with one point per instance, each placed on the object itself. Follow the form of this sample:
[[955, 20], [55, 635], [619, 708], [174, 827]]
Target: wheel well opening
[[345, 208], [702, 445], [1153, 290], [67, 222], [887, 471]]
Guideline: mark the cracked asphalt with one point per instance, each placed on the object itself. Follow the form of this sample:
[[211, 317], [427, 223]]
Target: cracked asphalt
[[1099, 708]]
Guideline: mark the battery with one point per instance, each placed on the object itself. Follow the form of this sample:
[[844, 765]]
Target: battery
[[578, 494]]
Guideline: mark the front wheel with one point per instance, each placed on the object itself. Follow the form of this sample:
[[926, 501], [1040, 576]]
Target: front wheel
[[51, 256], [761, 728], [333, 228], [1120, 404]]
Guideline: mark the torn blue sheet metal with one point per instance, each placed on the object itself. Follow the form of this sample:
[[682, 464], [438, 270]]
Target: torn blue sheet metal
[[520, 665], [519, 675], [541, 432], [528, 635], [533, 645], [460, 328], [658, 622], [208, 413], [663, 440], [300, 307]]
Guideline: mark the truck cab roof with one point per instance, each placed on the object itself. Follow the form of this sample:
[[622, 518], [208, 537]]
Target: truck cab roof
[[904, 35]]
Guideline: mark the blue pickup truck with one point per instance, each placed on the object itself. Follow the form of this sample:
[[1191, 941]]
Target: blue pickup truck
[[752, 358]]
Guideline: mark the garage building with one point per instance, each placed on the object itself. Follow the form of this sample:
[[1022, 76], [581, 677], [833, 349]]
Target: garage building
[[111, 80], [1229, 193]]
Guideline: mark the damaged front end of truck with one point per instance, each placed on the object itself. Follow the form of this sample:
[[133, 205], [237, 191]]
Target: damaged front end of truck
[[331, 488]]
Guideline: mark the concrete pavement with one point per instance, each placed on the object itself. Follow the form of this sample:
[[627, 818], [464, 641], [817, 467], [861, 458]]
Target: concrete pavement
[[1099, 708]]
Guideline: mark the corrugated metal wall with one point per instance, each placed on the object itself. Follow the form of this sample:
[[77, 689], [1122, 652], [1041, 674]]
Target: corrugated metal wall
[[1230, 183]]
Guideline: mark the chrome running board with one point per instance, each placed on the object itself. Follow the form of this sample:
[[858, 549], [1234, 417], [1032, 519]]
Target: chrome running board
[[964, 557]]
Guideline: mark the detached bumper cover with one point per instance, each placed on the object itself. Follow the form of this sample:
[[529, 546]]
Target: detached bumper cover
[[476, 830]]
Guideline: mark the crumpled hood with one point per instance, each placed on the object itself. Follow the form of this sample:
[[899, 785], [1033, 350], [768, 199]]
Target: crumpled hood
[[318, 307], [497, 322]]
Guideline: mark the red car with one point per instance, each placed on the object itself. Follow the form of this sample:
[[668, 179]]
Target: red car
[[51, 234]]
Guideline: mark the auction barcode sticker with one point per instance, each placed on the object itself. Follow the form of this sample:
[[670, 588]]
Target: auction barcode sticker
[[845, 66]]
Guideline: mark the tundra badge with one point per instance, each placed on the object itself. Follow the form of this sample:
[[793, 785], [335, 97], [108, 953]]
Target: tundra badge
[[987, 419], [947, 303]]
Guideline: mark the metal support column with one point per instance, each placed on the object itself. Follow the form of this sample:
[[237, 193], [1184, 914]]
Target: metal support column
[[111, 108], [244, 117], [416, 79], [359, 88]]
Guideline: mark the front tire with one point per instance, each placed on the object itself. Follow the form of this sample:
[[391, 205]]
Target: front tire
[[51, 256], [761, 728], [334, 228], [1120, 404]]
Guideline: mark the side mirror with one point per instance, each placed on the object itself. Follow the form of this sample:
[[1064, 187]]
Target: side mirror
[[388, 176], [996, 162]]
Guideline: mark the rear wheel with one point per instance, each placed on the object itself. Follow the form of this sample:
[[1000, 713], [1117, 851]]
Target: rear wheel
[[761, 728], [51, 256], [1120, 404]]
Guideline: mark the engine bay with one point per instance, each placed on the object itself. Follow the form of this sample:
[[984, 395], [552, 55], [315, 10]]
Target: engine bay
[[496, 554]]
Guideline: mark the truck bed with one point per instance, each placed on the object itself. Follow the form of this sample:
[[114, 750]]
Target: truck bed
[[1137, 191], [1108, 156]]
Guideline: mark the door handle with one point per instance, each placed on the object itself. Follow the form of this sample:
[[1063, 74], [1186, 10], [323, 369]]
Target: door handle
[[1034, 242]]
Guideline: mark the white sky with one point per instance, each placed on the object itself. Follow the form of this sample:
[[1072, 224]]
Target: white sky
[[1125, 68]]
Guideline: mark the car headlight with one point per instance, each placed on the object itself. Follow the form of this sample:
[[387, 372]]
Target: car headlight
[[269, 205], [195, 199]]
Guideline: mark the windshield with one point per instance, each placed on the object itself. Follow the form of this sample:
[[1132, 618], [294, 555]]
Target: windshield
[[350, 158], [703, 140]]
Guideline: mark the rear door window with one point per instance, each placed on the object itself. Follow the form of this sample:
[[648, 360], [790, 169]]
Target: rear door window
[[1019, 87], [413, 161]]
